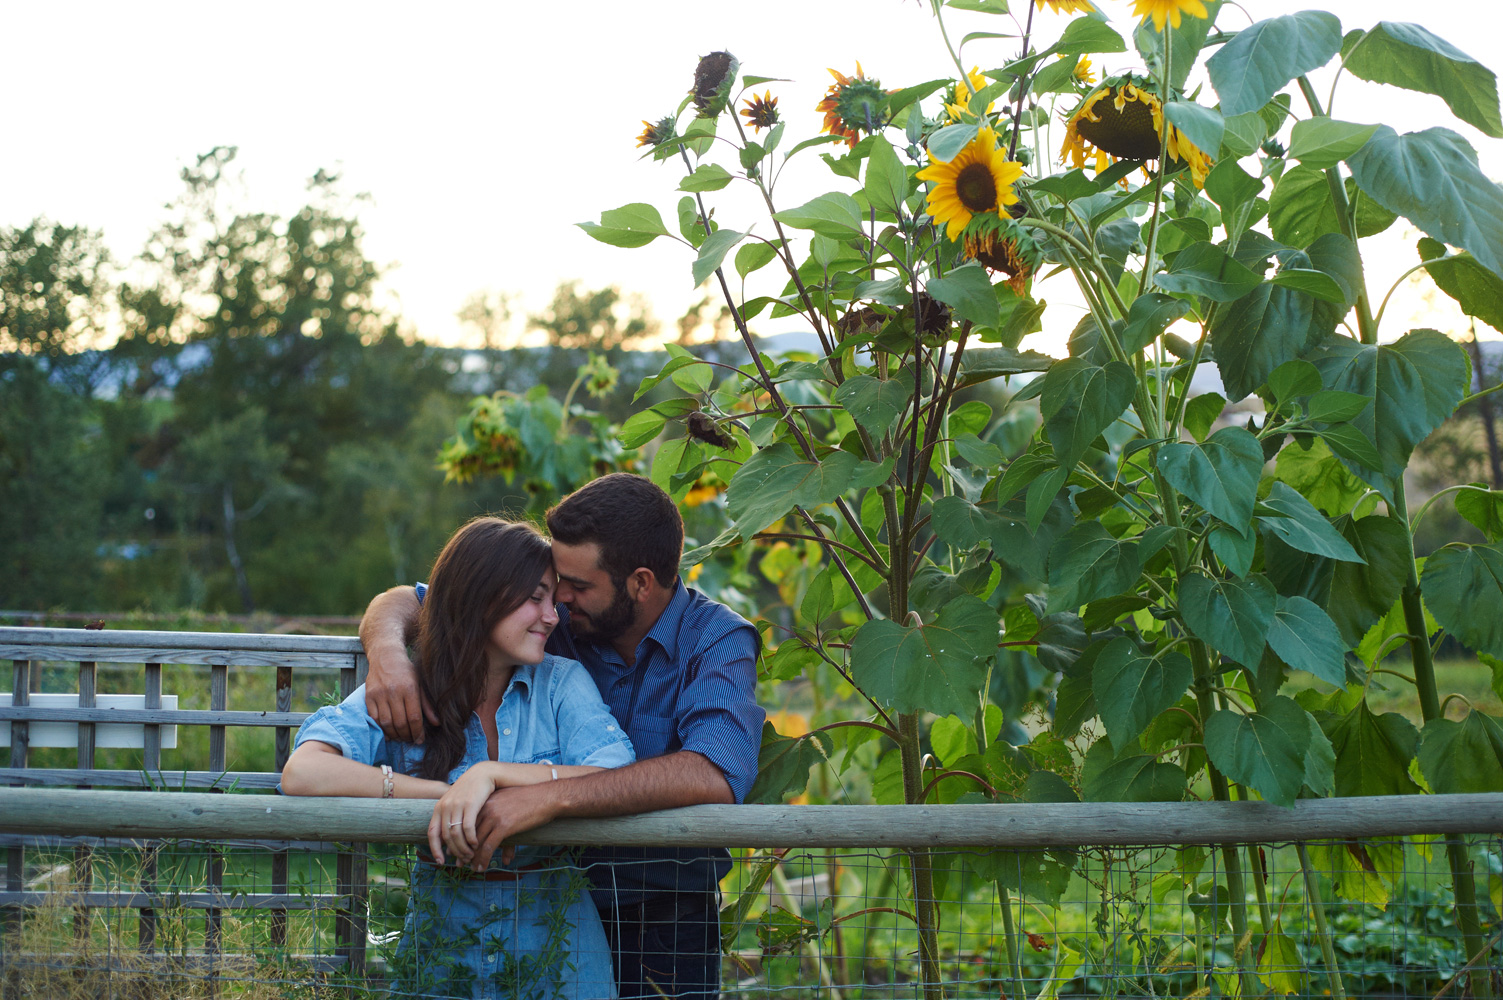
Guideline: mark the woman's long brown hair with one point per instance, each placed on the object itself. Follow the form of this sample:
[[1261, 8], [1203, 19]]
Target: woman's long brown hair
[[486, 571]]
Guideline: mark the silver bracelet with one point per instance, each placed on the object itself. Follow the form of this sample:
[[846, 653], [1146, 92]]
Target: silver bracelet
[[388, 783], [555, 773]]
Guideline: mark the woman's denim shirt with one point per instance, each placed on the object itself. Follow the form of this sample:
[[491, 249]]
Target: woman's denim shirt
[[550, 713]]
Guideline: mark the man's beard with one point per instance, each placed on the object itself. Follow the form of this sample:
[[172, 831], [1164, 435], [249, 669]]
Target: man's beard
[[608, 624]]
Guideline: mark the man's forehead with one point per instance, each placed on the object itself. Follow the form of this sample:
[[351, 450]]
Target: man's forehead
[[578, 562]]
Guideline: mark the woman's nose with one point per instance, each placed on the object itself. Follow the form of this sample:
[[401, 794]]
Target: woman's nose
[[550, 613]]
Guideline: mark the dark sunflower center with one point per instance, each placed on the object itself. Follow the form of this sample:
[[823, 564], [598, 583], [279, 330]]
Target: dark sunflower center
[[976, 188], [1128, 133]]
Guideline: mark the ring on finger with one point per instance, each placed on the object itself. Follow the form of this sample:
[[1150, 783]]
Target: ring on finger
[[457, 822]]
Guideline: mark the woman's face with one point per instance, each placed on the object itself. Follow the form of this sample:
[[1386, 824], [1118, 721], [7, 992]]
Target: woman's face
[[519, 637]]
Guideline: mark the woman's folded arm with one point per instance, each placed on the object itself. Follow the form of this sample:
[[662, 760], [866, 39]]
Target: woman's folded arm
[[317, 768]]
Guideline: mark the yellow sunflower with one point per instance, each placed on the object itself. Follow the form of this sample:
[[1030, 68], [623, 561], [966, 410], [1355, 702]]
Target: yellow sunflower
[[656, 133], [1167, 10], [1067, 6], [979, 179], [1121, 119], [961, 101], [851, 104], [1083, 71]]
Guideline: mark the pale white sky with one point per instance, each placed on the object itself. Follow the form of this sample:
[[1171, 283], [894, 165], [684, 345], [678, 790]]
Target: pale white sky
[[482, 131]]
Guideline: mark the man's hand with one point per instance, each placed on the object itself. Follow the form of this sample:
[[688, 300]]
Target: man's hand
[[510, 811], [392, 695], [684, 778]]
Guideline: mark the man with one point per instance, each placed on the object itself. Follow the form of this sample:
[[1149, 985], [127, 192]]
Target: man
[[678, 672]]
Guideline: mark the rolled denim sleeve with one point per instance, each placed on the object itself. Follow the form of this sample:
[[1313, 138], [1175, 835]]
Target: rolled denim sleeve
[[587, 731], [719, 717], [349, 728]]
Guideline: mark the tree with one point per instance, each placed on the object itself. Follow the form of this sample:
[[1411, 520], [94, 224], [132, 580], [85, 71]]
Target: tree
[[598, 320]]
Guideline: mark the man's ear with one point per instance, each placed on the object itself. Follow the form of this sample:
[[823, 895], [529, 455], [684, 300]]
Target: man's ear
[[640, 583]]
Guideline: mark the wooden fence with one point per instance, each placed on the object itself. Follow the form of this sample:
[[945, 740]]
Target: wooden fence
[[106, 803]]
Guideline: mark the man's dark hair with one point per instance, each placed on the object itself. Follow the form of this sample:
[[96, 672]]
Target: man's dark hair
[[633, 521]]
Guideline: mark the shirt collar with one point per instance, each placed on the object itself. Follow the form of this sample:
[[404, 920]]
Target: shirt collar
[[523, 676], [665, 630]]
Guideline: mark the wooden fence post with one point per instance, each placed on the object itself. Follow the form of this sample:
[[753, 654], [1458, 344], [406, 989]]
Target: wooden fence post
[[152, 762], [279, 857]]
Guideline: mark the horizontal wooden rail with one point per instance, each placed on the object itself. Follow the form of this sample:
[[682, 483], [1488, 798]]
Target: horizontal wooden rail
[[164, 780], [157, 716], [205, 816], [176, 641]]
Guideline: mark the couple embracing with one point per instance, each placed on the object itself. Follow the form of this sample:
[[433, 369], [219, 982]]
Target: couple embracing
[[585, 680]]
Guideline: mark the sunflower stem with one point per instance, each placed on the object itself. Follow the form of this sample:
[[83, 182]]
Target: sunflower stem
[[1023, 84], [1150, 245]]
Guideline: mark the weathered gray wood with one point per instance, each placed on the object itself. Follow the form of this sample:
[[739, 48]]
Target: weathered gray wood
[[86, 684], [154, 717], [172, 654], [165, 780], [213, 641], [190, 815], [15, 857], [219, 686], [45, 842], [146, 926]]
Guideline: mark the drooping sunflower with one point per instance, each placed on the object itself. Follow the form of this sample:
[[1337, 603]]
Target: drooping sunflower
[[1067, 6], [1004, 246], [1168, 10], [958, 99], [851, 104], [1122, 119], [655, 133], [713, 77], [979, 179], [761, 112]]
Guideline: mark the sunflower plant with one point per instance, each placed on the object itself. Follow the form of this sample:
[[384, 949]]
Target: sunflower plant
[[1185, 593]]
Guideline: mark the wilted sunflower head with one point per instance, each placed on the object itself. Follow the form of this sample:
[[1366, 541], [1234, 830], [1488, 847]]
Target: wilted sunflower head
[[1123, 119], [851, 104], [713, 78], [761, 112], [1000, 245], [931, 317], [979, 179], [655, 133]]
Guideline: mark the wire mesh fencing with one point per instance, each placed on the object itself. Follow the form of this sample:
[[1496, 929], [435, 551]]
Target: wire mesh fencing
[[1372, 917]]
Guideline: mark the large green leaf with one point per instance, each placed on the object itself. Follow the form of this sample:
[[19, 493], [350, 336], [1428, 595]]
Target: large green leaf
[[1477, 290], [1088, 563], [1280, 964], [1205, 269], [1203, 126], [1415, 383], [1134, 778], [1185, 43], [1433, 180], [1299, 525], [938, 667], [969, 294], [1360, 595], [886, 185], [1462, 757], [1372, 752], [1131, 688], [1147, 317], [834, 214], [1254, 335], [1231, 615], [1408, 56], [1463, 586], [1300, 208], [1304, 637], [775, 480], [1080, 400], [960, 524], [1220, 474], [1483, 508], [1261, 59], [1085, 34], [1264, 750], [632, 225], [783, 764], [712, 253], [1324, 142], [1308, 466], [874, 403]]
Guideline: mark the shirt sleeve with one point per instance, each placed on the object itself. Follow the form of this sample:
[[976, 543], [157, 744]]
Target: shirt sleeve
[[718, 712], [587, 731], [348, 727]]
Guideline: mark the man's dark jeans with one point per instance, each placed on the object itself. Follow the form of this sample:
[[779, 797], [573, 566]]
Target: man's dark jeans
[[668, 945]]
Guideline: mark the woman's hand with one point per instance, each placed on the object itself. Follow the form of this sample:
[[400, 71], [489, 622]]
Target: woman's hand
[[453, 821]]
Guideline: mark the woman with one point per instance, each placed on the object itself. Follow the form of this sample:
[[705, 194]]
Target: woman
[[509, 714]]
